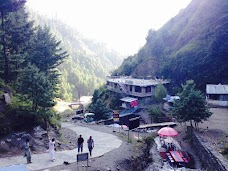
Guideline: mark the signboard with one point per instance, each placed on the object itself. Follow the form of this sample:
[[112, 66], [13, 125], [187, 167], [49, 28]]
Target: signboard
[[134, 123], [116, 117], [82, 157], [134, 103]]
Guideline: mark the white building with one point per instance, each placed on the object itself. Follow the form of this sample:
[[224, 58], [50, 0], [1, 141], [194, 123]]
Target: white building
[[217, 94], [132, 86]]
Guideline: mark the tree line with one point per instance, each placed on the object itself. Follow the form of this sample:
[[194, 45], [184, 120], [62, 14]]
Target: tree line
[[28, 67]]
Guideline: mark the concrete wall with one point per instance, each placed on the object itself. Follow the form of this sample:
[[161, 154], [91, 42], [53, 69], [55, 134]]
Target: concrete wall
[[118, 89], [217, 103], [210, 158]]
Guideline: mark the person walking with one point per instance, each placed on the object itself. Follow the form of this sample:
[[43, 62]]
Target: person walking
[[27, 152], [80, 143], [90, 145], [52, 149]]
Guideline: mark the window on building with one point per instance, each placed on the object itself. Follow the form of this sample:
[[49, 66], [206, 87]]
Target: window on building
[[130, 87], [115, 85], [148, 89], [138, 89]]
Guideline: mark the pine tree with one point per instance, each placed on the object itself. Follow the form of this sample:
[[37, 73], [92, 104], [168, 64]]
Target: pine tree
[[45, 51], [99, 109], [7, 7], [191, 106], [46, 54], [160, 92], [35, 85], [19, 33], [154, 113]]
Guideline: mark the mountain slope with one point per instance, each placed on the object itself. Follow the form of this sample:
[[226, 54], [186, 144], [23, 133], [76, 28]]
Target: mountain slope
[[88, 64], [192, 45]]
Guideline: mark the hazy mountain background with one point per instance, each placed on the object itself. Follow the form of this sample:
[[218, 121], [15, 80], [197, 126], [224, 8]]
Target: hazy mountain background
[[191, 45], [36, 68], [89, 61]]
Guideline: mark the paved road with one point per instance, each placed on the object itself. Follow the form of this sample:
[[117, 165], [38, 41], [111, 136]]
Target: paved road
[[103, 143]]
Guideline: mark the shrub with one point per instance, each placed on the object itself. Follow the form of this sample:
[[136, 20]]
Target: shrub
[[225, 150]]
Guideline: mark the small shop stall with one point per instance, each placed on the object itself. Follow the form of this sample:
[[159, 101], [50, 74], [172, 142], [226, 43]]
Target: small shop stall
[[170, 150]]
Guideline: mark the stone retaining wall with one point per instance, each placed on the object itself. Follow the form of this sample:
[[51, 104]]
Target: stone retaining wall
[[210, 158]]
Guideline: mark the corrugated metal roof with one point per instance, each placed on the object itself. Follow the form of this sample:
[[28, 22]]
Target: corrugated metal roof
[[216, 89]]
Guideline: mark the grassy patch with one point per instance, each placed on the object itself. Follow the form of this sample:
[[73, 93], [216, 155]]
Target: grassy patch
[[225, 150], [223, 143]]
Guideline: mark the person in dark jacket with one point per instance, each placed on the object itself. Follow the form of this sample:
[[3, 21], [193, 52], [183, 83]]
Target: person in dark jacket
[[80, 144]]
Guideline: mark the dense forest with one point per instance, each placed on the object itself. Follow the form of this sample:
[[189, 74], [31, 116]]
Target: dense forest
[[29, 78], [89, 61], [192, 45], [41, 60]]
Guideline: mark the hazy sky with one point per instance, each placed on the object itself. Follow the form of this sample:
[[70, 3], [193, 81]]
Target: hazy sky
[[123, 24]]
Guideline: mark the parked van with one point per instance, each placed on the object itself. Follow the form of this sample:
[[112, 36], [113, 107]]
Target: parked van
[[89, 117]]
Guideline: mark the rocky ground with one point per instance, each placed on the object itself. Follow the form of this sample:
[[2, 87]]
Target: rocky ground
[[12, 144]]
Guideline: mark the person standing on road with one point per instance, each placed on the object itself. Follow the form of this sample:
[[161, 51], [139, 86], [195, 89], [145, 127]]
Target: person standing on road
[[90, 145], [52, 149], [80, 143], [27, 152]]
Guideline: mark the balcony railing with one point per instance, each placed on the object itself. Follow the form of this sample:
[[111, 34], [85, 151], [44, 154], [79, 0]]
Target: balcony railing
[[137, 94]]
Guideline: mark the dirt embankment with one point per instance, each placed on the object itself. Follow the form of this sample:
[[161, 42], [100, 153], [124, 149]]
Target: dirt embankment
[[12, 144]]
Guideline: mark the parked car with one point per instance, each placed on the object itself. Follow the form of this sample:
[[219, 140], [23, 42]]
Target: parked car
[[77, 117], [88, 117]]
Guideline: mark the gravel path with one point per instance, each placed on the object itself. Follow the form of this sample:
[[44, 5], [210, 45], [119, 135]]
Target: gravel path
[[108, 161], [41, 161]]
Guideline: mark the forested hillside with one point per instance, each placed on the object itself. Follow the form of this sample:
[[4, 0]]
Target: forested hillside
[[29, 78], [41, 60], [192, 45], [88, 64]]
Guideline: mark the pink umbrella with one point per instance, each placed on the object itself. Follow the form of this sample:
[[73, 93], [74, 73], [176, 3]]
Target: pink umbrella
[[167, 131]]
